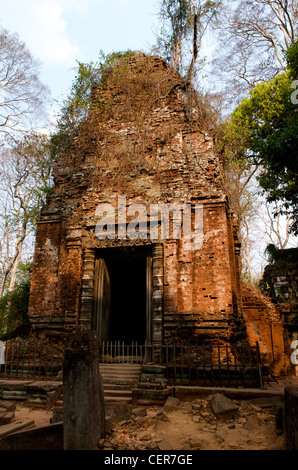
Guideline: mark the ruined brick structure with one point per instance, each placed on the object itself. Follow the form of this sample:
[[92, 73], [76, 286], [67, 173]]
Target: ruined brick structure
[[280, 282], [144, 140]]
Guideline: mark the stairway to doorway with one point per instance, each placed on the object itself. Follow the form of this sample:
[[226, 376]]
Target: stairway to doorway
[[119, 380]]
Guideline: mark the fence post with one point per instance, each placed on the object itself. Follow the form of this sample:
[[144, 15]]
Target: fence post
[[83, 399], [259, 365]]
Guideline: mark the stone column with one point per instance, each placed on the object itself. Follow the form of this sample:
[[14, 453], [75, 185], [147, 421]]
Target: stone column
[[83, 396], [157, 293], [291, 418], [87, 295]]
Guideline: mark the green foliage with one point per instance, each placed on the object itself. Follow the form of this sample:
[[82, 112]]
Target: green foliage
[[77, 105], [263, 129], [270, 252], [14, 319], [292, 60]]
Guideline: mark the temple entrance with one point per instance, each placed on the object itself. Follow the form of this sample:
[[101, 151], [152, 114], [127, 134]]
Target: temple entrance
[[122, 294]]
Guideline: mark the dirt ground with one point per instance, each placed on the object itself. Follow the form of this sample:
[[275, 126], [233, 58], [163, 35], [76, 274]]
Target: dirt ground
[[193, 426], [40, 416], [186, 426]]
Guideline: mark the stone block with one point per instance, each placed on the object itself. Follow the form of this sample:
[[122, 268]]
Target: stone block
[[6, 417], [117, 412], [171, 403], [291, 418], [222, 406], [139, 412]]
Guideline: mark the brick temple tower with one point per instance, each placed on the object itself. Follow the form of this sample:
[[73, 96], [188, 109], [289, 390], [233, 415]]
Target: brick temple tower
[[143, 145]]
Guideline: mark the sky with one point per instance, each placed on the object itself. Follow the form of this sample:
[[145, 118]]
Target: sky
[[61, 32]]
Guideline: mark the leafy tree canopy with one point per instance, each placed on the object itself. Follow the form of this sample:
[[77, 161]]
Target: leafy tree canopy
[[263, 130], [14, 320], [76, 107]]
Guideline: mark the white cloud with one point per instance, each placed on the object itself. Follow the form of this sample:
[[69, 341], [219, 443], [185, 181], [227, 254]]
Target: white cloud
[[54, 43]]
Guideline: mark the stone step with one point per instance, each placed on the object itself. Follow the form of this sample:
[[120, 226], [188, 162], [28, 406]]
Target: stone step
[[118, 370], [116, 386], [115, 371], [119, 365], [117, 399], [119, 393], [120, 380]]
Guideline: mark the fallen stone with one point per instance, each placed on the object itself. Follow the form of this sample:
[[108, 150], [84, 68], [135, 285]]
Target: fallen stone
[[101, 443], [147, 436], [6, 417], [108, 424], [152, 445], [222, 406], [117, 412], [252, 423], [57, 415], [196, 406], [171, 403], [139, 412], [196, 419], [7, 406]]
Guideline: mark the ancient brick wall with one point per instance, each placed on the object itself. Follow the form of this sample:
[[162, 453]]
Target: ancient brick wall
[[280, 281], [265, 326], [144, 140]]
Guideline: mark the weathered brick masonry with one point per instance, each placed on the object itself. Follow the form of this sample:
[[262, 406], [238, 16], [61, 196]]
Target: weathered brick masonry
[[144, 139]]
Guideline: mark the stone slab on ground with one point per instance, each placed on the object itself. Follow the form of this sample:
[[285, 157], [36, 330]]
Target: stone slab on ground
[[191, 393], [14, 427], [39, 438]]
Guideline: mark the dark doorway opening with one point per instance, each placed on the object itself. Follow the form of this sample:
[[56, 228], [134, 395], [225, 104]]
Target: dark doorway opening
[[128, 289]]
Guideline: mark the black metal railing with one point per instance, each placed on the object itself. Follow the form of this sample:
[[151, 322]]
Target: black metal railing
[[121, 352], [31, 359], [217, 364]]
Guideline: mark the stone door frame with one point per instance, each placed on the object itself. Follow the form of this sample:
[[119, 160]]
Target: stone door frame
[[154, 298]]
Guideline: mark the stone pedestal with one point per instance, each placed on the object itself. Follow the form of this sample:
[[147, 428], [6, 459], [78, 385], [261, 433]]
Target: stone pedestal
[[83, 399], [291, 418]]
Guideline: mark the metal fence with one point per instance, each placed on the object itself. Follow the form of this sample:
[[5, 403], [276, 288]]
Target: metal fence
[[217, 364], [31, 359], [120, 352]]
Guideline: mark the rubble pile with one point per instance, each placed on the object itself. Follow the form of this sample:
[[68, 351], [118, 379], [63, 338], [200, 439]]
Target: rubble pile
[[214, 423]]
